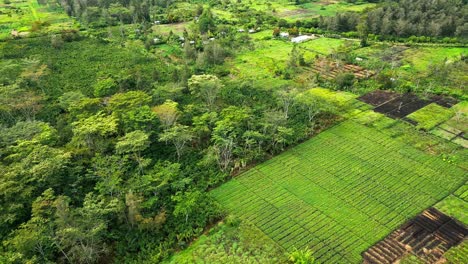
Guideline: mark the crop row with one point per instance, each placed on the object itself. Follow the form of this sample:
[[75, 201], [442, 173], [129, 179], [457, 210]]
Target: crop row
[[347, 181], [274, 225], [407, 158], [338, 193], [337, 158]]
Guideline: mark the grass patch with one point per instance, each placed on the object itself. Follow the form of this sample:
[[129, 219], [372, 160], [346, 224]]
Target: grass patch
[[271, 56], [20, 15], [165, 29], [430, 116], [231, 242], [411, 259], [77, 65], [460, 121], [458, 254], [455, 207], [461, 141], [443, 133], [342, 100], [320, 45], [420, 58], [448, 151], [322, 8], [340, 192]]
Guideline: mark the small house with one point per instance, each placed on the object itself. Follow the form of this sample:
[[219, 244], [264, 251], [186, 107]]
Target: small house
[[14, 33], [301, 39]]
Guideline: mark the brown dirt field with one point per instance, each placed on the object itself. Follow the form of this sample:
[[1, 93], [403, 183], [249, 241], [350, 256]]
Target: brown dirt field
[[427, 236], [294, 12], [400, 105]]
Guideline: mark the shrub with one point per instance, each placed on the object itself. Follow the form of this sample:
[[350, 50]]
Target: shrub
[[301, 256], [344, 81], [105, 87], [56, 41]]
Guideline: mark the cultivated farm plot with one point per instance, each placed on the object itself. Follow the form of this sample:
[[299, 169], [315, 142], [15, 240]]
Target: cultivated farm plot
[[340, 192], [20, 15], [272, 55], [176, 28], [289, 10]]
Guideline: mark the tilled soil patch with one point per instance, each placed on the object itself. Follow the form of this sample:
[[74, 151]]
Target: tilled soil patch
[[428, 236], [397, 105], [378, 97], [402, 106]]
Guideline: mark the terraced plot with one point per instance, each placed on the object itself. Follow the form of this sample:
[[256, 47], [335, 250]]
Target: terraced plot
[[20, 15], [340, 192]]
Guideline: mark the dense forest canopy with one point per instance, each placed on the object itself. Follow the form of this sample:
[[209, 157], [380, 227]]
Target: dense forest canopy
[[408, 18], [112, 133]]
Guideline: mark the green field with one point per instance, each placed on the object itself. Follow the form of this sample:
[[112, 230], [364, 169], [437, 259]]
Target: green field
[[176, 28], [288, 10], [458, 254], [231, 241], [456, 204], [340, 192], [20, 15], [272, 55], [430, 116], [421, 58]]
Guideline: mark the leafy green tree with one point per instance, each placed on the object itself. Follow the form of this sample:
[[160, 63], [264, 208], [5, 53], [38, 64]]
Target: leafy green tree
[[35, 131], [167, 113], [32, 169], [105, 87], [192, 211], [179, 136], [344, 81], [84, 107], [206, 22], [286, 98], [80, 233], [17, 103], [109, 172], [301, 256], [140, 118], [203, 125], [282, 137], [311, 105], [122, 102], [92, 131], [34, 239], [205, 87], [134, 143], [363, 30], [227, 133], [190, 52], [66, 100]]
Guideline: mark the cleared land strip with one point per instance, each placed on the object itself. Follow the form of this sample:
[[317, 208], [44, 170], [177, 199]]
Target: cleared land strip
[[340, 192]]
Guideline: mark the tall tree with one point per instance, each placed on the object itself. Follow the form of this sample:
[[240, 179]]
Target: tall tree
[[167, 113], [179, 136], [205, 87]]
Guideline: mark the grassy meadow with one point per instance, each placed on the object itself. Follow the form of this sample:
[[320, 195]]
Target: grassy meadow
[[28, 16]]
